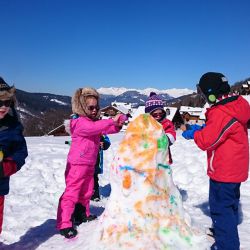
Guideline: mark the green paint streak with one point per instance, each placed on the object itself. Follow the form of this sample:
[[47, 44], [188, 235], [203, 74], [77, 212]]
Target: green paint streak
[[165, 167], [165, 230], [188, 240], [172, 200], [162, 142]]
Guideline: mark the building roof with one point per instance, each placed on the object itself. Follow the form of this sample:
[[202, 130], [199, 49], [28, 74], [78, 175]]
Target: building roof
[[247, 97], [136, 112], [173, 111], [194, 111], [203, 112], [141, 110]]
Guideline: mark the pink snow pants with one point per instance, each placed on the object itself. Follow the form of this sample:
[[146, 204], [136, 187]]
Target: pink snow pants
[[79, 189], [1, 212]]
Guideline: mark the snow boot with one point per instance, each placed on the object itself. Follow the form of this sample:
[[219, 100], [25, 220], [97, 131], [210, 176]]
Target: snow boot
[[95, 196], [79, 216], [68, 232]]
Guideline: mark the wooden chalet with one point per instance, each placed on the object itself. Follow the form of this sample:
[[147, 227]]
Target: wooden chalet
[[190, 114], [111, 111], [173, 114], [245, 88]]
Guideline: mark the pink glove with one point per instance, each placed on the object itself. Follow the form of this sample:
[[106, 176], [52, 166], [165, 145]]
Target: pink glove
[[122, 119]]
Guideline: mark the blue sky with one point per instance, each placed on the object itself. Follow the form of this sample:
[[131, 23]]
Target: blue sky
[[56, 46]]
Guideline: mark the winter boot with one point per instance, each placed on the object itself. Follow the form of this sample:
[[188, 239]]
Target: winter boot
[[68, 232], [96, 196], [79, 216]]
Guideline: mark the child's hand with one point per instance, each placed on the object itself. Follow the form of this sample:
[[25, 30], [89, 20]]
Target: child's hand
[[120, 119], [189, 132], [116, 118], [183, 127]]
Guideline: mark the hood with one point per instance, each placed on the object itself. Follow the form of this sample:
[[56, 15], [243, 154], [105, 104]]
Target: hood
[[238, 109], [78, 101]]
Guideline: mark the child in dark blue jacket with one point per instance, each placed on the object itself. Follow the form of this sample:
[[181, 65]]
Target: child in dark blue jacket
[[13, 149], [104, 145]]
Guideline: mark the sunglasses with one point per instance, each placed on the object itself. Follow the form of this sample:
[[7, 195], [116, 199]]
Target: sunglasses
[[5, 103], [91, 108], [159, 114]]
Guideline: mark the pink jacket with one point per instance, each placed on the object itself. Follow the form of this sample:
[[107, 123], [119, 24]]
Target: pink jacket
[[85, 135]]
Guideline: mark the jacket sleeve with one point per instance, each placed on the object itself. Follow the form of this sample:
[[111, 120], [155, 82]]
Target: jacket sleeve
[[106, 142], [20, 152], [7, 168], [168, 127], [216, 131], [90, 128]]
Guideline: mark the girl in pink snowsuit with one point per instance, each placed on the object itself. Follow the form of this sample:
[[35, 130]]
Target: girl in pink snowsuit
[[86, 130]]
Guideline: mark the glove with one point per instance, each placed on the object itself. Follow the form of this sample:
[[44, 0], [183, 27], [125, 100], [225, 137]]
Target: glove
[[7, 167], [191, 129], [120, 119]]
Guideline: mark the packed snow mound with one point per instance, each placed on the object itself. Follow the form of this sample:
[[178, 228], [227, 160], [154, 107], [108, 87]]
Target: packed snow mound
[[145, 209]]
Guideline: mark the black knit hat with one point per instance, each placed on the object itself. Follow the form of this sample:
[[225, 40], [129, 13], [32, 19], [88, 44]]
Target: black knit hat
[[153, 102], [213, 85], [4, 85]]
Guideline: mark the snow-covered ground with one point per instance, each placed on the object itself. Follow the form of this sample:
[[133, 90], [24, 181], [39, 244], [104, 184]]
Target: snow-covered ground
[[30, 207]]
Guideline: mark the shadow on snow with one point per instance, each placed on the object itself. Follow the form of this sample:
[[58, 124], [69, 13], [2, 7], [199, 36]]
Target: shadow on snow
[[34, 237]]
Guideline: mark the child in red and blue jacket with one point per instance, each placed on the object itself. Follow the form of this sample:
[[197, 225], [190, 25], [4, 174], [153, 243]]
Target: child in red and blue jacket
[[13, 149], [155, 107], [225, 138]]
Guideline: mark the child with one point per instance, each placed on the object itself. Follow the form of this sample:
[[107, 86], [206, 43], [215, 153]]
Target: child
[[104, 145], [86, 129], [154, 106], [225, 139], [13, 149], [79, 215]]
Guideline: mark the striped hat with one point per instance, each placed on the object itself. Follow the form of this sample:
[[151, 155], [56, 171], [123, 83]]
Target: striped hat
[[153, 102]]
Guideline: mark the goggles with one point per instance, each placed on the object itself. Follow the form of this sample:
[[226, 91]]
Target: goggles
[[5, 103]]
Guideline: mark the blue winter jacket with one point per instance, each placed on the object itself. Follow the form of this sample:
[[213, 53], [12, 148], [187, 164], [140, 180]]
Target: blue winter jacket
[[99, 160], [13, 145]]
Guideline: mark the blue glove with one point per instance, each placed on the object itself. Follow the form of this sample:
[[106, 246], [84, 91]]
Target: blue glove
[[191, 129]]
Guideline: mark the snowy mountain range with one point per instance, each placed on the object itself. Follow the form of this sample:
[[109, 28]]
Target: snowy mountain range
[[171, 92], [42, 112]]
